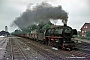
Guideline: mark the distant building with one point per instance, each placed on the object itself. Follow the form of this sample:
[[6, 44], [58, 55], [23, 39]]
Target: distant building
[[3, 33], [84, 29]]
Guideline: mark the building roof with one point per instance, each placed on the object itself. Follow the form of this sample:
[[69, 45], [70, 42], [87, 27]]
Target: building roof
[[88, 24]]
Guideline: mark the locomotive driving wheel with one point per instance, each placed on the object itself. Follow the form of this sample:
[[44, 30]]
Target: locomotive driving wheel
[[50, 43]]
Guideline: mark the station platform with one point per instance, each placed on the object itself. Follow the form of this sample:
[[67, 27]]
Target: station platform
[[3, 44]]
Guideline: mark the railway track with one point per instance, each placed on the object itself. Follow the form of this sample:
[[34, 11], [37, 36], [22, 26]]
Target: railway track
[[45, 52], [19, 47], [80, 54], [77, 55], [16, 52], [72, 54]]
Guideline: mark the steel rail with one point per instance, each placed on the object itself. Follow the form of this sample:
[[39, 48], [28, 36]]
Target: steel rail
[[37, 48], [78, 54], [18, 49], [11, 49]]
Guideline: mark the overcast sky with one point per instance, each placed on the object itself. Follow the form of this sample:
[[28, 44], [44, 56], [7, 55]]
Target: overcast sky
[[78, 11]]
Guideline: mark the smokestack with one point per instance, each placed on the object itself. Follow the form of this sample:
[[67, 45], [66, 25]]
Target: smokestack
[[6, 28], [64, 22]]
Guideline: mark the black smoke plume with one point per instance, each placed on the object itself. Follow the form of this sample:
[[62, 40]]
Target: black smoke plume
[[42, 12]]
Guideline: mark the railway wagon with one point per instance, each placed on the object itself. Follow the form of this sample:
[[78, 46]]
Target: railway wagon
[[37, 36]]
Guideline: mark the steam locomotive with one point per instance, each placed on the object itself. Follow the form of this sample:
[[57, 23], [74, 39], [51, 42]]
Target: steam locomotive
[[59, 36]]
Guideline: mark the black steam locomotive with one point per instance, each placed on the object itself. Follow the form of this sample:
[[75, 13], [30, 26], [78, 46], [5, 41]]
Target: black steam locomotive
[[60, 37]]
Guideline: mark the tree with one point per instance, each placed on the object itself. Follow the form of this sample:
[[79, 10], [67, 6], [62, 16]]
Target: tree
[[45, 27], [78, 33], [32, 27], [17, 31], [88, 33], [43, 23]]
